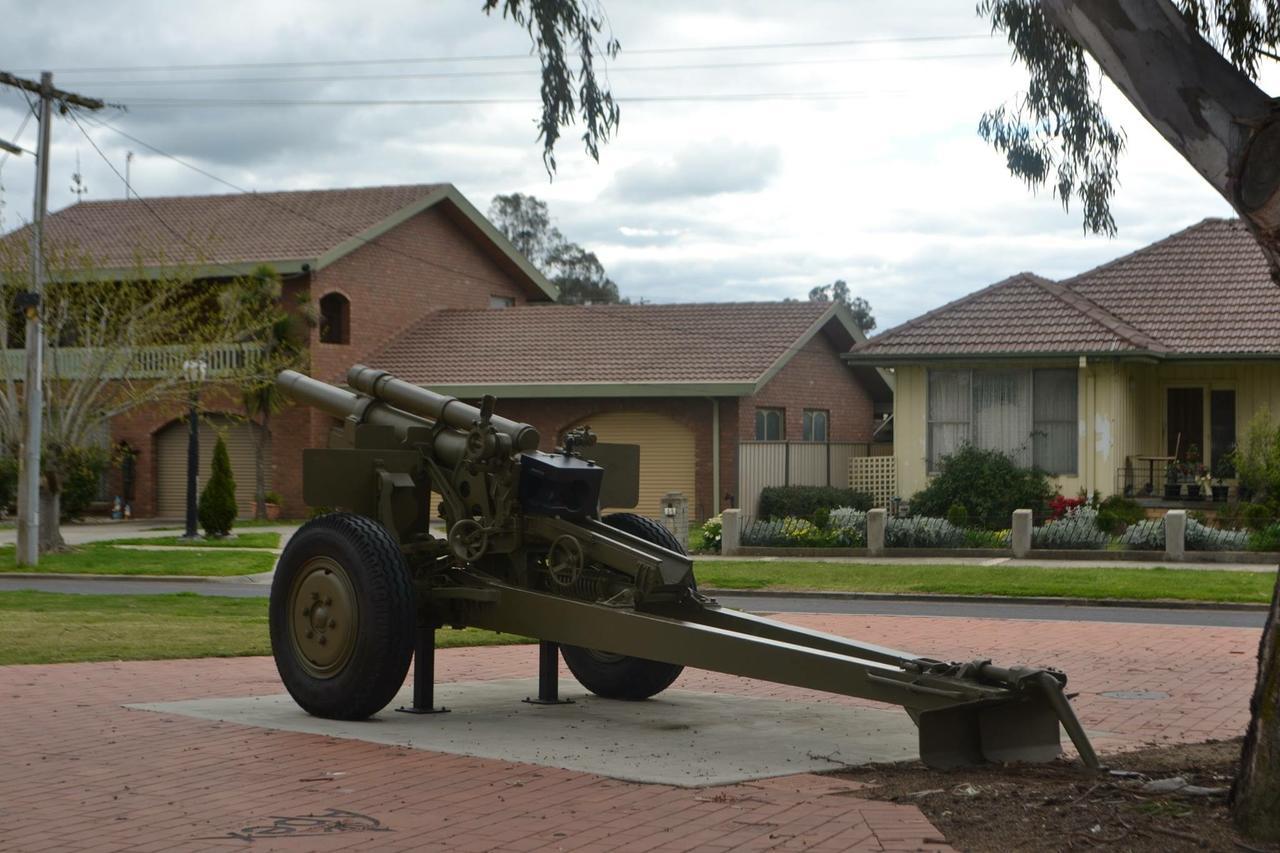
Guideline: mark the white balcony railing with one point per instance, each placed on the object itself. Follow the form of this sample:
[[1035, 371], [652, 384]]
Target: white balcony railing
[[136, 363]]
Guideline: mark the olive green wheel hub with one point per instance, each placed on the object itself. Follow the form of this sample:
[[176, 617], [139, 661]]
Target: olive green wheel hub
[[323, 617]]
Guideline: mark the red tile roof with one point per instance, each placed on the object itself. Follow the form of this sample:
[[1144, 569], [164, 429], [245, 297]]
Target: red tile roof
[[234, 228], [616, 344], [1205, 290]]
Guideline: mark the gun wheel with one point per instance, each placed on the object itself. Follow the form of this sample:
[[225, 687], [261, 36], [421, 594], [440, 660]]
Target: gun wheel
[[342, 617], [615, 676]]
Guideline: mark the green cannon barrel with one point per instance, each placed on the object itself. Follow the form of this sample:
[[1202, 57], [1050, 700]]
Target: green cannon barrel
[[448, 447], [437, 407]]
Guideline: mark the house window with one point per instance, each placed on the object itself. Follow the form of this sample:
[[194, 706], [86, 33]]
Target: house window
[[1029, 415], [1222, 431], [815, 424], [501, 301], [769, 425], [335, 319]]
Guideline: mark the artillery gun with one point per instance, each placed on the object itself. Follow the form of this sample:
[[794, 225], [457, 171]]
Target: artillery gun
[[359, 592]]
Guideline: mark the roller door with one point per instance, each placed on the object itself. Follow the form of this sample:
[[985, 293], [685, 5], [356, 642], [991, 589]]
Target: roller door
[[171, 463], [666, 453]]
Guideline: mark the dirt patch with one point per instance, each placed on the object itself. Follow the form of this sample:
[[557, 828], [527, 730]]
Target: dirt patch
[[1061, 806]]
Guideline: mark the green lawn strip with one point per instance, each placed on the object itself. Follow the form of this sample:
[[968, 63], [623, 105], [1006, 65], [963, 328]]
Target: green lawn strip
[[103, 559], [244, 522], [47, 627], [1186, 585], [238, 540]]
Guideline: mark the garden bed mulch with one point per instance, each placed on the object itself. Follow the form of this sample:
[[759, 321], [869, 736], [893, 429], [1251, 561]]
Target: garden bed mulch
[[1061, 806]]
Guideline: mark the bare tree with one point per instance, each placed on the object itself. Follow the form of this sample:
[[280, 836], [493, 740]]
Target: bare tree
[[111, 347]]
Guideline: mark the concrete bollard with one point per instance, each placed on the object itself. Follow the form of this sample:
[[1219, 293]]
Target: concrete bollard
[[730, 531], [1175, 534], [1020, 536], [876, 520]]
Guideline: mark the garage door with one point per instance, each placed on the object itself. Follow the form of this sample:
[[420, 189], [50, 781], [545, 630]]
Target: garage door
[[171, 463], [666, 453]]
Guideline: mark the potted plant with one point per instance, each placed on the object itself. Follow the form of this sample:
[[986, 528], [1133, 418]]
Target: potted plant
[[1172, 488], [1221, 471], [272, 504]]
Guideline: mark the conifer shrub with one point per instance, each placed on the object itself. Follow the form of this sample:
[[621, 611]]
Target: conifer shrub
[[217, 507]]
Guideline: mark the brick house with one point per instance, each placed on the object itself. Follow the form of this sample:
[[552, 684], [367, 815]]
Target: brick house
[[415, 280], [686, 382], [375, 261]]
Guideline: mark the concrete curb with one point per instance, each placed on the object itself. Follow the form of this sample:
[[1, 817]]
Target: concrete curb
[[1153, 604], [262, 577]]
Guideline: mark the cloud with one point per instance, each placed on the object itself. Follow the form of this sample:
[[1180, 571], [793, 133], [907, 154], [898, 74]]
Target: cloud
[[701, 170]]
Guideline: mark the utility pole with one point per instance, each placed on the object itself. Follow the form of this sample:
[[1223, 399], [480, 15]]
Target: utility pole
[[33, 385]]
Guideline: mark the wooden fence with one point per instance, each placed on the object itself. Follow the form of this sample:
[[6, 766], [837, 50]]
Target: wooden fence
[[797, 463]]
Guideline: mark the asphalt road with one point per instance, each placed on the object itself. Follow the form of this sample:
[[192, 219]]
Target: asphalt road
[[759, 604]]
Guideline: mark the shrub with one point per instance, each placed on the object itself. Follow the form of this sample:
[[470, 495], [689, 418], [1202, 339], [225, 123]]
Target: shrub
[[1266, 539], [218, 500], [1256, 516], [81, 471], [8, 480], [958, 515], [1059, 505], [1145, 535], [988, 483], [922, 532], [712, 533], [848, 527], [805, 501], [273, 498], [1116, 513], [1257, 459], [975, 538], [1077, 529], [1202, 537]]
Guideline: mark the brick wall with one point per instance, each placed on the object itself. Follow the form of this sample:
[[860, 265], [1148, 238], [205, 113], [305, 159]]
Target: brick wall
[[389, 289], [815, 378]]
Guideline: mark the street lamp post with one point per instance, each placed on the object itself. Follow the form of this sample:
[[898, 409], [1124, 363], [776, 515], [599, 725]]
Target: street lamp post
[[195, 371]]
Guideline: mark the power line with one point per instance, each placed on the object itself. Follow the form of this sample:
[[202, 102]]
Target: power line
[[728, 97], [496, 57], [345, 234], [530, 72]]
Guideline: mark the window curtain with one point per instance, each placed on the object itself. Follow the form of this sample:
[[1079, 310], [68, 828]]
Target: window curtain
[[949, 404], [1002, 412], [1055, 444]]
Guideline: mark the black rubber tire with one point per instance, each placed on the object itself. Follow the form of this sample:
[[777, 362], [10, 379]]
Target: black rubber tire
[[617, 676], [383, 592]]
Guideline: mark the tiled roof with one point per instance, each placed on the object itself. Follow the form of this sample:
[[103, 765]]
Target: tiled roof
[[1205, 290], [1023, 313], [555, 344], [223, 229]]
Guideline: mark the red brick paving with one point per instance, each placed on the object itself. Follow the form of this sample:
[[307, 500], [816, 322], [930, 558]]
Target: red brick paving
[[79, 772]]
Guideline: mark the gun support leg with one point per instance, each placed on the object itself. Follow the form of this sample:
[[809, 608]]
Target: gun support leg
[[424, 672], [548, 676]]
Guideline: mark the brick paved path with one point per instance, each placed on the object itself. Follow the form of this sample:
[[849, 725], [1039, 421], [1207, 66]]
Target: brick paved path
[[79, 772]]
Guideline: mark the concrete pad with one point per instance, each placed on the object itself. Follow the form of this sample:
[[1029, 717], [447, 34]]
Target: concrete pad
[[681, 737]]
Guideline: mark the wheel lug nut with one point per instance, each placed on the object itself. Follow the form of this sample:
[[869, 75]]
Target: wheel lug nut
[[322, 640], [328, 602], [315, 596], [306, 611], [310, 634], [333, 623]]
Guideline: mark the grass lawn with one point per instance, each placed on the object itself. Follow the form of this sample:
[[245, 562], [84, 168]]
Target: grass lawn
[[101, 558], [238, 540], [988, 580], [47, 627]]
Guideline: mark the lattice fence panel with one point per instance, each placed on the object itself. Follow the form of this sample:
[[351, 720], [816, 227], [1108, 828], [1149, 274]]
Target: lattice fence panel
[[875, 475]]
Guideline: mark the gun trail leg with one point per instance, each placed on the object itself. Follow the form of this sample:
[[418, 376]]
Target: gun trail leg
[[549, 676], [424, 672]]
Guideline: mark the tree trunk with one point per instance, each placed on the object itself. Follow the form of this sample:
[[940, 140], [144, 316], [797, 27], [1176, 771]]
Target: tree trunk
[[1207, 109], [260, 468], [1229, 130], [1255, 796], [51, 516]]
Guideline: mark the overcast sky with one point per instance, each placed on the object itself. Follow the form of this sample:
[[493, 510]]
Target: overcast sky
[[886, 186]]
